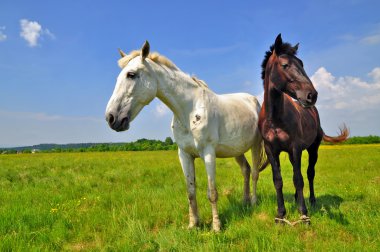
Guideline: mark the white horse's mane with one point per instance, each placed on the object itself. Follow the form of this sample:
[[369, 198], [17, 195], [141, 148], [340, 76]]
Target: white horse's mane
[[200, 83], [155, 56], [159, 59]]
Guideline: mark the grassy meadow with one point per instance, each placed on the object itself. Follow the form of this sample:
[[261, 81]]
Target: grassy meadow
[[136, 201]]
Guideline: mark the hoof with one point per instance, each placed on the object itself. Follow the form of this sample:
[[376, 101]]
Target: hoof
[[282, 221], [305, 219], [216, 226], [193, 224], [254, 200]]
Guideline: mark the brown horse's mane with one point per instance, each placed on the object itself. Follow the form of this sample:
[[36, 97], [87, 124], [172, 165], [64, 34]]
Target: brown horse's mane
[[285, 48]]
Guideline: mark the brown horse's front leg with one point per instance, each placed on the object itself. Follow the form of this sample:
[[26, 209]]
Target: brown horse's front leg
[[277, 180], [295, 159]]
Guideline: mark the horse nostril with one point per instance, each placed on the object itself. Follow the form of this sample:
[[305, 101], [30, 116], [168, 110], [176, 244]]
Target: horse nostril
[[309, 97], [312, 97], [125, 121], [110, 119]]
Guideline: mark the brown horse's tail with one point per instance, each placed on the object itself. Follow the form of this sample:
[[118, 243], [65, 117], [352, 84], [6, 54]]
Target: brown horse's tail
[[264, 161], [344, 133]]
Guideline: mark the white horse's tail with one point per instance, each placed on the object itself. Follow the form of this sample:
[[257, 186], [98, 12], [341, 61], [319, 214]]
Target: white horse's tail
[[263, 158]]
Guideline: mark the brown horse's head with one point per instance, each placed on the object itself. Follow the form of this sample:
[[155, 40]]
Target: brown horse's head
[[283, 71]]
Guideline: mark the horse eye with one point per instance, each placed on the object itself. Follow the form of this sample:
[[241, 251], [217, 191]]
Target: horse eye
[[131, 75], [284, 66]]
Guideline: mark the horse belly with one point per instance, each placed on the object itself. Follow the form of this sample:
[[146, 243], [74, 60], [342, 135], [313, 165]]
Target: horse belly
[[231, 150], [238, 122], [237, 133], [235, 143]]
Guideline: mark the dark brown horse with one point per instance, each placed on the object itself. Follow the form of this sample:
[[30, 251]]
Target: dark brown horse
[[288, 125]]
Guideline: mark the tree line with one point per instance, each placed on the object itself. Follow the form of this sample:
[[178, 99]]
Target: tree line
[[360, 140], [139, 145]]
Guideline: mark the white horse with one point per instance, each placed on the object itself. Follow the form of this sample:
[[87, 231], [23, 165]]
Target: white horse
[[205, 124]]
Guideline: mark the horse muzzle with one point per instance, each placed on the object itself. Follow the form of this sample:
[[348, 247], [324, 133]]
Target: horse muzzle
[[307, 99], [118, 122]]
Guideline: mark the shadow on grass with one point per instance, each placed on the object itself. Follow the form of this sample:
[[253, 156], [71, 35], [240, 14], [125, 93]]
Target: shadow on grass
[[236, 210], [326, 205]]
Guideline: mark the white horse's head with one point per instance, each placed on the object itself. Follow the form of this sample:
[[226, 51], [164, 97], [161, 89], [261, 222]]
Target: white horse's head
[[135, 88]]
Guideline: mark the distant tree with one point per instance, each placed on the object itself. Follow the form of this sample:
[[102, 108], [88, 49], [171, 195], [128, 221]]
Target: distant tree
[[168, 141], [364, 140]]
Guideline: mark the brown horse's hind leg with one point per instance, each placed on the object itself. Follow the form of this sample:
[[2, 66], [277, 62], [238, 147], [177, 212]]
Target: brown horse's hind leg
[[313, 157]]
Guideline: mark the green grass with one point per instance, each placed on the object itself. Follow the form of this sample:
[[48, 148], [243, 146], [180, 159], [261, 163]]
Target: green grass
[[131, 201]]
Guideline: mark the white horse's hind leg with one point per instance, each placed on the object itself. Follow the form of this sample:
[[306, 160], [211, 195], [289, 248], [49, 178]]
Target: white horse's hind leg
[[256, 157], [209, 159], [187, 163], [246, 171]]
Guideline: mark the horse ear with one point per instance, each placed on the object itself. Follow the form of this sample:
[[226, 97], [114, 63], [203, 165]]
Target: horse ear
[[122, 54], [296, 47], [145, 50], [278, 43]]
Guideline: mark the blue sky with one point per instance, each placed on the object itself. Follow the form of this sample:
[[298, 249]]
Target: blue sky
[[58, 60]]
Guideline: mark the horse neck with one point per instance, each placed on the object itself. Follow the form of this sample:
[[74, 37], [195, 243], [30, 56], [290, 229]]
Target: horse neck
[[273, 101], [178, 91]]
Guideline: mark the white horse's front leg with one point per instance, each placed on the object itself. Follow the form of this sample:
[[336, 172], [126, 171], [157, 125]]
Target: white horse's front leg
[[212, 193], [187, 163]]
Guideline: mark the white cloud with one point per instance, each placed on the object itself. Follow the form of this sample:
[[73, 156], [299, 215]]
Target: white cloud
[[375, 74], [371, 40], [32, 31], [49, 34], [347, 92], [2, 35], [161, 110], [349, 100]]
